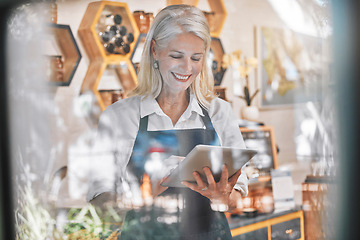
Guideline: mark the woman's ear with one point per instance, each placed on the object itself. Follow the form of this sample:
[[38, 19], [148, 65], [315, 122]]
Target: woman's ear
[[152, 48]]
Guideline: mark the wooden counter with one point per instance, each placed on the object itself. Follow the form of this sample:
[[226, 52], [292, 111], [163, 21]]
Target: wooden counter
[[282, 225]]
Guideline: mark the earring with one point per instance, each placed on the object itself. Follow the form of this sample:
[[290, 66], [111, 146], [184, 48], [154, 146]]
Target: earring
[[156, 64]]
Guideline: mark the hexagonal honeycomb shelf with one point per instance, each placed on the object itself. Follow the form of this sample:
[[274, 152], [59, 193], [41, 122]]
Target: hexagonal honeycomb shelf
[[62, 52], [104, 23], [216, 18], [188, 2], [123, 80], [109, 33]]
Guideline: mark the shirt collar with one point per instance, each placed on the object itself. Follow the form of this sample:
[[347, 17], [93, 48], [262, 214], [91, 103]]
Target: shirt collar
[[194, 105], [149, 105]]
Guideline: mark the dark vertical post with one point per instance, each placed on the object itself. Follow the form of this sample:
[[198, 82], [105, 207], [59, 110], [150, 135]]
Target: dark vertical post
[[6, 202], [346, 38]]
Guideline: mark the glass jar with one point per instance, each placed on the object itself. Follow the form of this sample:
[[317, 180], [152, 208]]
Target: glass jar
[[53, 12], [56, 69], [140, 20], [149, 20], [116, 96]]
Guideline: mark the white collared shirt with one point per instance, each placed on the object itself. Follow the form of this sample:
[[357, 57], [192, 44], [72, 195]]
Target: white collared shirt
[[119, 124]]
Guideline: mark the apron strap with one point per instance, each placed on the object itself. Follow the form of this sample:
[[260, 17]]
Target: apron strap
[[143, 123], [206, 119]]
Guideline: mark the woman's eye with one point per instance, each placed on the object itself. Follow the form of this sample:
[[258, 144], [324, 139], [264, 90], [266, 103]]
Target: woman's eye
[[196, 59]]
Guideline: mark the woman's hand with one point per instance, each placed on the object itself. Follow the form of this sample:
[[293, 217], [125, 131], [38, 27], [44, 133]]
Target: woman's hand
[[217, 192]]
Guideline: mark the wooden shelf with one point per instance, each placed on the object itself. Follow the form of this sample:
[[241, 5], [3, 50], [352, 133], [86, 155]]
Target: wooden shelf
[[100, 59], [124, 74], [217, 8], [188, 2], [89, 32], [62, 40]]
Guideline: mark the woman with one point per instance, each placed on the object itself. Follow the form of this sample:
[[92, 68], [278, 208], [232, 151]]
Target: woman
[[174, 100]]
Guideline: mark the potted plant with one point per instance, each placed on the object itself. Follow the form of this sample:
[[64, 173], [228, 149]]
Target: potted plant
[[249, 112], [244, 66]]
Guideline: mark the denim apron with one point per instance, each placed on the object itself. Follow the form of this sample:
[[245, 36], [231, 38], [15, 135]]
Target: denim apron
[[196, 220]]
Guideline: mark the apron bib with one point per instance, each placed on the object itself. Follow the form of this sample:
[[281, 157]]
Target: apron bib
[[195, 218]]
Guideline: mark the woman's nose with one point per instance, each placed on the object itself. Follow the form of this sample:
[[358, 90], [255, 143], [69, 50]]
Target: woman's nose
[[187, 64]]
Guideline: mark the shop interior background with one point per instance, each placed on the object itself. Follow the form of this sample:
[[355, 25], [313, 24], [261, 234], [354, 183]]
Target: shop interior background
[[237, 33], [50, 126]]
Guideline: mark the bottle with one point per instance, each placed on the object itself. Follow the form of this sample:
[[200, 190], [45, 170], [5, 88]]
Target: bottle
[[113, 29], [106, 33], [110, 19], [57, 68], [128, 38], [116, 95], [119, 42], [117, 19], [53, 12], [105, 36], [118, 45], [140, 20], [123, 49], [149, 19], [122, 31], [126, 48], [110, 47]]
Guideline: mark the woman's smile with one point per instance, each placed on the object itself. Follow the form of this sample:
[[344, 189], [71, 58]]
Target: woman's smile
[[180, 77]]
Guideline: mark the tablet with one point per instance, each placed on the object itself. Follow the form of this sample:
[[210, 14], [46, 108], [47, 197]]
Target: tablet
[[213, 157]]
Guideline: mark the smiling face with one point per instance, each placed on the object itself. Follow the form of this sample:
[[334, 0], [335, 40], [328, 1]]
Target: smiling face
[[180, 62]]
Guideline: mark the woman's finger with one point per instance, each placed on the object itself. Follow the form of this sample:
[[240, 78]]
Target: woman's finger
[[209, 176], [224, 175], [233, 179], [198, 180]]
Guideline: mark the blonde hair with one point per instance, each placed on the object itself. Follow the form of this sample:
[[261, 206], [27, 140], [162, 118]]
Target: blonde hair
[[168, 23]]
